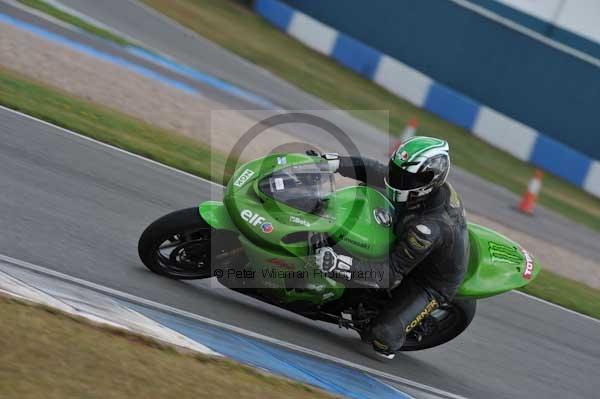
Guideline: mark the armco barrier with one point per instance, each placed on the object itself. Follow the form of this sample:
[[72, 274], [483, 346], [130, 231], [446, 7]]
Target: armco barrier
[[497, 129]]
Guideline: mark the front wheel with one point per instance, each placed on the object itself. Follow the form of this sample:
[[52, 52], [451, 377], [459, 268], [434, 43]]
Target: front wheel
[[442, 325], [178, 245]]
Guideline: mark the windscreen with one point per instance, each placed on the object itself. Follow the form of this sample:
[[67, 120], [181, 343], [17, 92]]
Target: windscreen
[[305, 187]]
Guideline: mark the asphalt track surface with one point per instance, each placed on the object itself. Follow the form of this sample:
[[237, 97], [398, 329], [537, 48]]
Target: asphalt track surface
[[78, 207], [163, 35]]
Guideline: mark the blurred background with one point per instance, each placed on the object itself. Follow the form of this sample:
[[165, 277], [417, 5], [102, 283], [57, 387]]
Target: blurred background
[[513, 85]]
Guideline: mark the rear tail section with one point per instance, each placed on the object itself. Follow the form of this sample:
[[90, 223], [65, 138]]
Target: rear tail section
[[496, 264]]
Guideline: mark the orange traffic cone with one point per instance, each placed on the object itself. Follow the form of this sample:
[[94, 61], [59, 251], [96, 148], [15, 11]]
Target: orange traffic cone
[[527, 204], [409, 131]]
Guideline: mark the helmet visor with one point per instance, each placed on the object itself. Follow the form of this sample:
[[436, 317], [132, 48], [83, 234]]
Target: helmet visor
[[401, 179]]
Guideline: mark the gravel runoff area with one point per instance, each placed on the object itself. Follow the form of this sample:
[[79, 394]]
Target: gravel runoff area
[[119, 88], [166, 107]]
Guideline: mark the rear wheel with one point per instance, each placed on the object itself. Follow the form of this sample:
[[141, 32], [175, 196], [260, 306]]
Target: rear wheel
[[442, 325], [178, 245]]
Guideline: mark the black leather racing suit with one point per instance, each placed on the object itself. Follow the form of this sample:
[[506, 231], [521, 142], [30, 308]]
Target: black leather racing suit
[[427, 263]]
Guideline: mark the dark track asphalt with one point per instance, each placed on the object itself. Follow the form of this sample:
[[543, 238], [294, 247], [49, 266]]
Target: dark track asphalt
[[77, 207], [163, 35]]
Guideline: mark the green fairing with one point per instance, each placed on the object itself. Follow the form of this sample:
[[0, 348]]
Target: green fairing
[[215, 214], [496, 264], [275, 240], [272, 269], [356, 229]]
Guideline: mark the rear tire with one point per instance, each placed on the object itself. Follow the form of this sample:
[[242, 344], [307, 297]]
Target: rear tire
[[457, 317], [189, 238]]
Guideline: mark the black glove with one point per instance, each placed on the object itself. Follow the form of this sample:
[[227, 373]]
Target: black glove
[[333, 159], [338, 266]]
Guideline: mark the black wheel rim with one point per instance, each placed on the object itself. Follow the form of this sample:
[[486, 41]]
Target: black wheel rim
[[185, 254]]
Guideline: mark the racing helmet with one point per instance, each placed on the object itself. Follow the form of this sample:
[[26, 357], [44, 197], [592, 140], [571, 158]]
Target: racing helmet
[[417, 168]]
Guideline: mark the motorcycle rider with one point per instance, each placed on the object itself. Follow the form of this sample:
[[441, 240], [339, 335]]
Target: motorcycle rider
[[429, 258]]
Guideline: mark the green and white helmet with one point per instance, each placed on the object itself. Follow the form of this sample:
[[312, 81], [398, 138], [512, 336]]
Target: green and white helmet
[[417, 168]]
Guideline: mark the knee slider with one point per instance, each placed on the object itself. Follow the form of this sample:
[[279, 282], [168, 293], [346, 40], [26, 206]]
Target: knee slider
[[387, 337]]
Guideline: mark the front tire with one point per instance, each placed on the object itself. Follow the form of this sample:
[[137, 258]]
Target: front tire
[[441, 326], [178, 245]]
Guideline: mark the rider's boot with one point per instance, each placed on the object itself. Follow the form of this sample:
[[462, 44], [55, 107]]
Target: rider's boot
[[383, 351], [379, 348]]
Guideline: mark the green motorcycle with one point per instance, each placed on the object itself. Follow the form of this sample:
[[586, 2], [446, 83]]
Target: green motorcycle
[[278, 210]]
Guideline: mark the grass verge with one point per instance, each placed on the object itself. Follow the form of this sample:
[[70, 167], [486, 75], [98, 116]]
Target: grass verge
[[565, 292], [45, 353], [107, 125], [46, 8], [171, 149], [225, 22]]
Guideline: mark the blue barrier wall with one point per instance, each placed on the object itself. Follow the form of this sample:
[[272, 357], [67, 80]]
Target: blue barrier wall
[[517, 75], [545, 28]]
